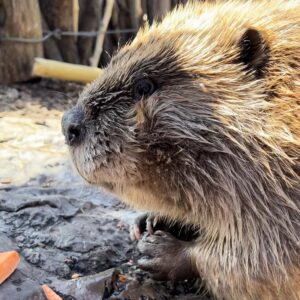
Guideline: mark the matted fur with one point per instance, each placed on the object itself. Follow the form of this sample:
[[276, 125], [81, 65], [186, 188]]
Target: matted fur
[[215, 146]]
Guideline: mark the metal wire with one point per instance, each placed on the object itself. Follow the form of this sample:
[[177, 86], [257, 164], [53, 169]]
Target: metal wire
[[57, 33]]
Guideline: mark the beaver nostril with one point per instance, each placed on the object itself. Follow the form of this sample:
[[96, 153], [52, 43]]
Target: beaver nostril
[[74, 134], [73, 126]]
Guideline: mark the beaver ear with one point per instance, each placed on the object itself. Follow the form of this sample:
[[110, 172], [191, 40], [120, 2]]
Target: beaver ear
[[254, 52]]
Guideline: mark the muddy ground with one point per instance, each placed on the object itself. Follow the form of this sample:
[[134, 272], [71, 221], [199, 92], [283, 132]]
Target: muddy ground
[[70, 236]]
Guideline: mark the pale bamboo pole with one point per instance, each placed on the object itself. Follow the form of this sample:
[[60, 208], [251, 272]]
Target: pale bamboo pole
[[64, 71], [94, 60]]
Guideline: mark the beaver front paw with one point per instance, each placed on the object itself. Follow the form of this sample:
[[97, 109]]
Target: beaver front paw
[[152, 222], [143, 223], [169, 257]]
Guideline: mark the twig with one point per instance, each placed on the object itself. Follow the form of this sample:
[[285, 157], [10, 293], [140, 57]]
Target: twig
[[94, 60]]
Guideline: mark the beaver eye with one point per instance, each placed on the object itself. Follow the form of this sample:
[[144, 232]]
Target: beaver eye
[[144, 88]]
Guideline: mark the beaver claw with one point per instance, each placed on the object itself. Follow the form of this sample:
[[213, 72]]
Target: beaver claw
[[146, 222], [168, 257]]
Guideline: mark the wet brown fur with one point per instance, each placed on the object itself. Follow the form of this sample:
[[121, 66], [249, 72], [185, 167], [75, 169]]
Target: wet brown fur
[[217, 145]]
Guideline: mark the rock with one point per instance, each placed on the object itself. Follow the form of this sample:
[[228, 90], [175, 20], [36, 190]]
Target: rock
[[55, 234], [10, 94], [148, 290], [21, 290], [32, 256], [92, 287]]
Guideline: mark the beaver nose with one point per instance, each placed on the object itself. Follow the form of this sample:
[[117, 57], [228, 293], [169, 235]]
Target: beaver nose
[[72, 126]]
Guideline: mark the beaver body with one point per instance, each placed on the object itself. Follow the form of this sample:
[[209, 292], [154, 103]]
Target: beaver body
[[198, 120]]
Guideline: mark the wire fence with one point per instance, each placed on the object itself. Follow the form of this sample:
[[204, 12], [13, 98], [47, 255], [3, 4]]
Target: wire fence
[[57, 33]]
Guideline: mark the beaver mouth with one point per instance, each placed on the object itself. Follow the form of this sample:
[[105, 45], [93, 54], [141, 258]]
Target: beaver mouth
[[107, 185], [97, 175], [110, 171]]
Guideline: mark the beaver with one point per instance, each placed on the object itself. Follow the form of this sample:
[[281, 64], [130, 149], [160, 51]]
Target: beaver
[[197, 122]]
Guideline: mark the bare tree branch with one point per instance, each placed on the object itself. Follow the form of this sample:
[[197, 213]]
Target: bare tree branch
[[94, 60]]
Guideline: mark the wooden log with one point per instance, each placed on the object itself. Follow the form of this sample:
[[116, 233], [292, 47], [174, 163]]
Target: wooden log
[[19, 19], [51, 50], [59, 14], [144, 9], [110, 46], [64, 71], [136, 13], [177, 2], [115, 24], [157, 9], [89, 20], [126, 14]]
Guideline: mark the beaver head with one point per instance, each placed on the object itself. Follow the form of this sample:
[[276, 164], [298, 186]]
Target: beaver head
[[179, 114]]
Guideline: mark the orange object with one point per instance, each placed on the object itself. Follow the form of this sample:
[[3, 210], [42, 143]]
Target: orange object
[[122, 278], [49, 293], [8, 263]]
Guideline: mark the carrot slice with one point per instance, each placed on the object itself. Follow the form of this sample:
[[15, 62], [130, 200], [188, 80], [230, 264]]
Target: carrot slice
[[8, 263], [122, 278], [49, 293]]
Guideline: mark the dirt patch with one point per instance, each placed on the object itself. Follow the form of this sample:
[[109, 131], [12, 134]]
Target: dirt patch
[[30, 139]]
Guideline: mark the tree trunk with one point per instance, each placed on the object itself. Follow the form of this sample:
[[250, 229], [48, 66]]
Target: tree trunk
[[51, 49], [19, 19], [59, 14], [157, 9], [177, 2], [136, 13], [89, 20]]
